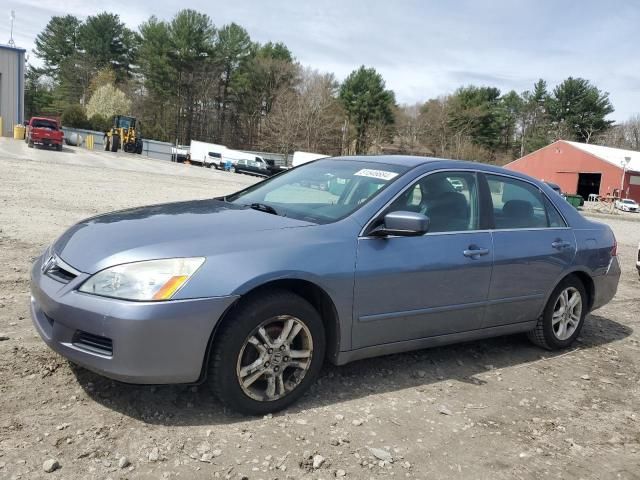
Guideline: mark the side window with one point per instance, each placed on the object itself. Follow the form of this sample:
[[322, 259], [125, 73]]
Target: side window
[[518, 204], [449, 199], [555, 219]]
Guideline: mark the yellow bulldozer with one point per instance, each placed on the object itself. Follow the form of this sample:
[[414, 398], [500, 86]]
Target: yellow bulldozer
[[123, 135]]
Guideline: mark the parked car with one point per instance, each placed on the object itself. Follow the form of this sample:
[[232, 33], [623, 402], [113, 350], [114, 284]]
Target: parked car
[[252, 292], [627, 205], [45, 132], [252, 167], [180, 153], [457, 184], [638, 260]]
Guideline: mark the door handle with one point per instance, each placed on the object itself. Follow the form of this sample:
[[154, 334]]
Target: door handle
[[560, 244], [475, 252]]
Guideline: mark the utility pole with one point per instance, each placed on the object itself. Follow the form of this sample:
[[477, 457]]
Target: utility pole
[[625, 162]]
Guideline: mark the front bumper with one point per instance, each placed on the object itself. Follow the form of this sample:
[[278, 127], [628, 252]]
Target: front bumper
[[47, 142], [606, 285], [150, 342]]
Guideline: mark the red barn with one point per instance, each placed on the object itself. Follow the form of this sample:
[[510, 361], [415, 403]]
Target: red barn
[[584, 169]]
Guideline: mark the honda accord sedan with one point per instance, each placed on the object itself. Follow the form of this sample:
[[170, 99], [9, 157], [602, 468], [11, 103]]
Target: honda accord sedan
[[336, 260]]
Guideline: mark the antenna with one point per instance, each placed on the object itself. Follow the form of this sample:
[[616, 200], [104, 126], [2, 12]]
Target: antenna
[[12, 16]]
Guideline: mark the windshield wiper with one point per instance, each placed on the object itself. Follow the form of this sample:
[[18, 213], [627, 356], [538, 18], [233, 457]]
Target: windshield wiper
[[263, 207]]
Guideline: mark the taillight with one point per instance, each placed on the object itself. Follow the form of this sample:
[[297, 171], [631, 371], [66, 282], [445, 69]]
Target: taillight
[[614, 250]]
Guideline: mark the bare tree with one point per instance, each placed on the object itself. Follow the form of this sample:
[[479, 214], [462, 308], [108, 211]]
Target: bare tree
[[307, 117], [624, 135]]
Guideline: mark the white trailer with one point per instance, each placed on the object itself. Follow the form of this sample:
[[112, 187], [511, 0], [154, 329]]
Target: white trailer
[[303, 157], [207, 154]]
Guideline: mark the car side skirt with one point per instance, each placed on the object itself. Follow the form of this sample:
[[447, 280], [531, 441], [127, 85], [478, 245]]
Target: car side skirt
[[429, 342]]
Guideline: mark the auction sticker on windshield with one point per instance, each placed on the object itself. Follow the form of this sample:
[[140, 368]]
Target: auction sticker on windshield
[[381, 174]]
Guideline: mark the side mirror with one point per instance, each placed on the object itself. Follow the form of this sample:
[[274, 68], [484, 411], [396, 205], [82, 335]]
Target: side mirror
[[403, 224]]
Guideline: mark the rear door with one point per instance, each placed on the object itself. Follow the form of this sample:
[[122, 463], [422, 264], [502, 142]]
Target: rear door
[[532, 248], [408, 288]]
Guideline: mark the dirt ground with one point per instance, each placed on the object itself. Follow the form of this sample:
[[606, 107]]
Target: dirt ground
[[484, 410]]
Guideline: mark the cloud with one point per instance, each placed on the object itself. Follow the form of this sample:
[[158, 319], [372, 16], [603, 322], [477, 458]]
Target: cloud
[[422, 48]]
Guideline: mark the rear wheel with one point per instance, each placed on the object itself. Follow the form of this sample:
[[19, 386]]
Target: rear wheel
[[563, 316], [268, 353], [115, 143]]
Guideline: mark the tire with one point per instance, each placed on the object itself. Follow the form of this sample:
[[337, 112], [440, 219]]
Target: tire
[[59, 147], [233, 350], [549, 333], [30, 143], [115, 143]]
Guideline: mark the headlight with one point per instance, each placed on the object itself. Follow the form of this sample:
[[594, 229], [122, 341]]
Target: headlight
[[150, 280]]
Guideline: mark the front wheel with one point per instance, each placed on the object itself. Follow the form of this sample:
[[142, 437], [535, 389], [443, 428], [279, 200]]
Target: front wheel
[[268, 353], [563, 316]]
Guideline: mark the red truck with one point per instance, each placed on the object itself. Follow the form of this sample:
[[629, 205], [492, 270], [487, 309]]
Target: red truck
[[44, 131]]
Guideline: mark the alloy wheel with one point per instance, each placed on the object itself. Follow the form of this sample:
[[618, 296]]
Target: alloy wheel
[[274, 358], [567, 313]]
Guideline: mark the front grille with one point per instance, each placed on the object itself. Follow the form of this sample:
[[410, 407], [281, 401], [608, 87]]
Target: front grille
[[60, 274], [93, 343], [54, 267]]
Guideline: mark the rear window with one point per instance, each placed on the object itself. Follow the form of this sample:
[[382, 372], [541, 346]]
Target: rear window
[[518, 204], [44, 124]]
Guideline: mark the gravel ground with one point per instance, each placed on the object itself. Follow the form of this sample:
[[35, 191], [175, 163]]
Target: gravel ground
[[492, 409]]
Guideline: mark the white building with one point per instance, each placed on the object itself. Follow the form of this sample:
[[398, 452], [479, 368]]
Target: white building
[[11, 88]]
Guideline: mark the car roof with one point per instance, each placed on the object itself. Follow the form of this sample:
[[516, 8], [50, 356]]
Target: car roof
[[404, 160], [414, 161], [436, 163]]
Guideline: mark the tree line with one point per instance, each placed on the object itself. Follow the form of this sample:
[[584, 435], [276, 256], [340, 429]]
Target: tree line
[[187, 79]]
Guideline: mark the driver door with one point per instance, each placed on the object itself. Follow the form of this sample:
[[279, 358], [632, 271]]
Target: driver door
[[408, 288]]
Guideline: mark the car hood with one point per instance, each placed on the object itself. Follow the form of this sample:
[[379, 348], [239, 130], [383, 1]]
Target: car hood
[[198, 228]]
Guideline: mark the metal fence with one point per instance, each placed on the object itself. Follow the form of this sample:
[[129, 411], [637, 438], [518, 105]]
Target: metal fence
[[150, 148]]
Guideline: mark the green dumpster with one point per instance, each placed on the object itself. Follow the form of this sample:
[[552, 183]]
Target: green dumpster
[[575, 200]]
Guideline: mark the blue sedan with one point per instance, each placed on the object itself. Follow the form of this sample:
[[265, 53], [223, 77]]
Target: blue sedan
[[336, 260]]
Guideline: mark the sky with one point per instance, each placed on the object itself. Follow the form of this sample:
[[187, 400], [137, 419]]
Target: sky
[[423, 49]]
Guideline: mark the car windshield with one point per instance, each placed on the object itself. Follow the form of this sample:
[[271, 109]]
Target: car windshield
[[630, 202], [322, 191]]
